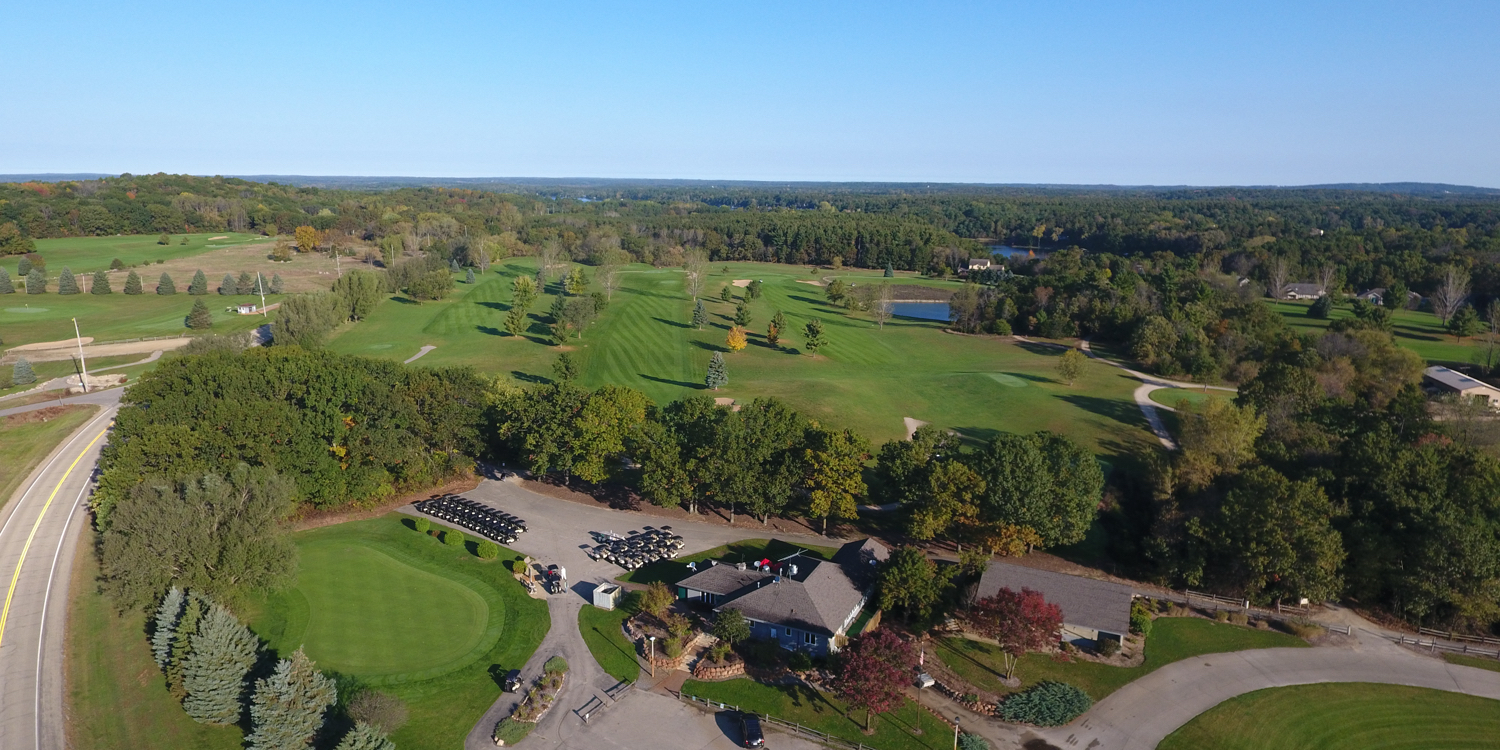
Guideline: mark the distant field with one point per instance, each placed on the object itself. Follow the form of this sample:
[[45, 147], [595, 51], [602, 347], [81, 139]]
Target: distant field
[[1343, 716], [1419, 331], [866, 378], [29, 318], [89, 254]]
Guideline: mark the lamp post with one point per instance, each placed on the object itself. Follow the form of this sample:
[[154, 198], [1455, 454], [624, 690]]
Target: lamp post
[[956, 718], [652, 638]]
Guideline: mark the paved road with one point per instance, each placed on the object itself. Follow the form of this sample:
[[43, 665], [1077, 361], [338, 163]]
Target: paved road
[[38, 537], [1141, 714], [559, 533], [105, 398]]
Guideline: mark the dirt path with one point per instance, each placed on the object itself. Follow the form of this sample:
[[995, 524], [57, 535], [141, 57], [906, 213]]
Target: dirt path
[[100, 350]]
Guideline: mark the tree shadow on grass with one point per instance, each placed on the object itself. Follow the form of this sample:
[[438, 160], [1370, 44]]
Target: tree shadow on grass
[[819, 302], [405, 300], [710, 347], [1124, 412], [683, 383], [673, 323], [526, 377], [612, 644], [1040, 349], [500, 306], [490, 330]]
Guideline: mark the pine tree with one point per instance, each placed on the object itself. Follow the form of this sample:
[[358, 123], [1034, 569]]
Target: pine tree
[[365, 737], [718, 374], [200, 319], [228, 285], [700, 315], [199, 285], [6, 287], [889, 272], [453, 266], [100, 284], [726, 293], [164, 285], [117, 265], [469, 277], [36, 282], [23, 267], [165, 628], [742, 314], [66, 284], [287, 710], [187, 627], [515, 321], [21, 373], [275, 284], [773, 334], [813, 332], [214, 673], [245, 284]]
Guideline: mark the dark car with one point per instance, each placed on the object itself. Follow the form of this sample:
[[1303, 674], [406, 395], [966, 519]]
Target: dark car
[[512, 681], [750, 734]]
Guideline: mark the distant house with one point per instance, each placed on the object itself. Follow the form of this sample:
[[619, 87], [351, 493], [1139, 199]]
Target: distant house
[[248, 309], [1445, 381], [979, 264], [1302, 291], [800, 601], [1377, 296], [1092, 610]]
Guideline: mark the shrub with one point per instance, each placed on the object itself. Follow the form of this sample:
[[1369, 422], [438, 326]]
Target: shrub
[[1046, 704], [762, 653], [1108, 647], [967, 741], [453, 538], [799, 661], [116, 265], [510, 731], [718, 652], [1303, 627], [672, 648], [382, 710], [1239, 618], [555, 665], [488, 550], [1221, 616], [422, 524], [680, 627], [657, 598], [1140, 617]]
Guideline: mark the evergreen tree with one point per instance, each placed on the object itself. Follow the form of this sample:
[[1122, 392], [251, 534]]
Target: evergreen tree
[[36, 282], [165, 627], [182, 645], [753, 290], [577, 282], [199, 285], [773, 334], [453, 266], [259, 285], [813, 332], [565, 369], [101, 283], [515, 320], [228, 285], [214, 673], [365, 737], [245, 284], [164, 285], [742, 314], [199, 319], [6, 287], [727, 293], [718, 374], [559, 308], [66, 284], [287, 710], [889, 272], [117, 265], [700, 315], [23, 267], [469, 276], [275, 283], [21, 373]]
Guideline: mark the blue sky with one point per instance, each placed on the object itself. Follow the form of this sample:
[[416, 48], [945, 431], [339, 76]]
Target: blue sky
[[1056, 92]]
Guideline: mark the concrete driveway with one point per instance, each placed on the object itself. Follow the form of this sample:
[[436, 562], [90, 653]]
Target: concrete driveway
[[558, 532]]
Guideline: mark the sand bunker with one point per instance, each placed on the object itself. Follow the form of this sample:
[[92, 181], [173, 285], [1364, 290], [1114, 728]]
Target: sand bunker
[[741, 282], [805, 281]]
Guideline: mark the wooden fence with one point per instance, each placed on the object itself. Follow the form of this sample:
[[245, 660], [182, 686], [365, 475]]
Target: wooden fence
[[788, 726]]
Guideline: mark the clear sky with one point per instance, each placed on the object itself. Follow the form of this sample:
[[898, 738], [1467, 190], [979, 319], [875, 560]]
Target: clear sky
[[1051, 92]]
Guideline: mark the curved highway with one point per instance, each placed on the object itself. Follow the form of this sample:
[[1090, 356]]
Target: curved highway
[[38, 537]]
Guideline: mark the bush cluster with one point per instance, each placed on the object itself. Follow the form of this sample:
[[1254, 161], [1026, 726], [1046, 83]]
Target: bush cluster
[[1046, 704]]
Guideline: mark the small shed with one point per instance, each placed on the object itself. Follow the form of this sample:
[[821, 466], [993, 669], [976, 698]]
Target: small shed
[[606, 595], [248, 309]]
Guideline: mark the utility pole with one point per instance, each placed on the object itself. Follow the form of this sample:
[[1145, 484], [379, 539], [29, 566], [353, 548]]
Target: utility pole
[[260, 284], [81, 363]]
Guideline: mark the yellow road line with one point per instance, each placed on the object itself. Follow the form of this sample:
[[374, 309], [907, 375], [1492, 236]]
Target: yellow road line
[[11, 592]]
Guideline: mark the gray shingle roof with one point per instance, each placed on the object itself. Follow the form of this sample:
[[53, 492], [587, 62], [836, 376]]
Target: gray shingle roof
[[1085, 602], [723, 580], [824, 597]]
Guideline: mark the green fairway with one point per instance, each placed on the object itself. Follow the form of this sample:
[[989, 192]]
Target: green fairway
[[866, 378], [89, 254], [1175, 397], [601, 630], [397, 609], [30, 318], [1343, 716], [1419, 331], [1172, 639]]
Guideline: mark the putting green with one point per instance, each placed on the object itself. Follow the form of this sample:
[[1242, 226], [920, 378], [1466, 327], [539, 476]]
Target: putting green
[[26, 310], [370, 614], [1007, 380]]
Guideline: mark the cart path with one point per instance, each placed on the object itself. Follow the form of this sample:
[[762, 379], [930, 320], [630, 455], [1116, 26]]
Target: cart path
[[420, 354]]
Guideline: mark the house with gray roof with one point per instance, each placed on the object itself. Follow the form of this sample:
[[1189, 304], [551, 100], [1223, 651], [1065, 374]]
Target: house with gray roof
[[1091, 609], [800, 601], [1301, 291]]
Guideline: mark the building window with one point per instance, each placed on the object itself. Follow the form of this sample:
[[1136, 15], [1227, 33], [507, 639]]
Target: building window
[[809, 639], [789, 632]]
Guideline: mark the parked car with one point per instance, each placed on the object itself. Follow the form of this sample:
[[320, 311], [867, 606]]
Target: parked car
[[513, 681], [750, 734]]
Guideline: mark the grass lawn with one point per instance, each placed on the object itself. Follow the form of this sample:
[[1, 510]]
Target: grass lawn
[[601, 631], [1172, 639], [399, 610], [1419, 331], [48, 370], [24, 443], [89, 254], [866, 378], [116, 697], [825, 713], [29, 318], [1175, 397], [1343, 716], [672, 571], [1473, 661]]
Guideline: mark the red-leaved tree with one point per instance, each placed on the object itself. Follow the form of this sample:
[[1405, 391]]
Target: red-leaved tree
[[872, 670], [1019, 622]]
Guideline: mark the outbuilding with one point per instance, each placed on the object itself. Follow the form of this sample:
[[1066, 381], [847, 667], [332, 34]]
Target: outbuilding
[[606, 595], [1092, 610], [1445, 381]]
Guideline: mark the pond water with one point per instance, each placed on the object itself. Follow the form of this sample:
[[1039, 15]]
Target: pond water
[[921, 310], [1006, 251]]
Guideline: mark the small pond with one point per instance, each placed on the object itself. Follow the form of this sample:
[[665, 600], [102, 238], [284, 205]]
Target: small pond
[[921, 310], [1006, 251]]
